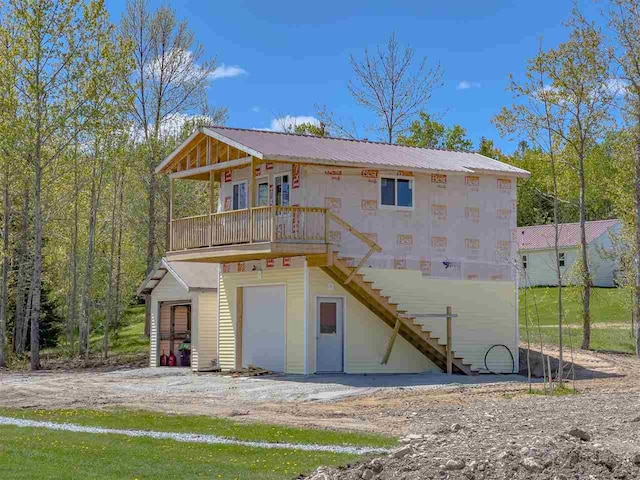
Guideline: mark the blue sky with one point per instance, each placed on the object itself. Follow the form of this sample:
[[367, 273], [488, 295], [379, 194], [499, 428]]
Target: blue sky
[[292, 55]]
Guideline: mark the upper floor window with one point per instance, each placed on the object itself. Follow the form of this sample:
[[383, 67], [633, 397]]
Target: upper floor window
[[262, 192], [396, 192], [524, 262], [281, 190], [561, 259], [239, 199]]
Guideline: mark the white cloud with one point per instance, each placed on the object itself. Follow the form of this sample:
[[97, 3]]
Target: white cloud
[[289, 122], [230, 71], [465, 85], [173, 126], [616, 86]]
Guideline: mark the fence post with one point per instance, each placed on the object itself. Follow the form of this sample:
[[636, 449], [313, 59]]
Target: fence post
[[449, 343]]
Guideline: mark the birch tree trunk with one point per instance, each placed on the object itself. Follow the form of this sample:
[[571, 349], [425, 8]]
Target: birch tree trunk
[[36, 282], [4, 296], [72, 319], [110, 304], [637, 231], [85, 299], [586, 271], [21, 318]]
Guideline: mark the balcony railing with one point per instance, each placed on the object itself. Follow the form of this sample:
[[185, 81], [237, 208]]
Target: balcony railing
[[260, 224]]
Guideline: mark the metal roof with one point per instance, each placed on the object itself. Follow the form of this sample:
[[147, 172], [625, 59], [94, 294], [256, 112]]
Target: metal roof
[[193, 276], [542, 237], [269, 145]]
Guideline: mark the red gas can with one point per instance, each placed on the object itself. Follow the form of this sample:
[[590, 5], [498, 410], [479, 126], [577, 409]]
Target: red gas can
[[173, 361]]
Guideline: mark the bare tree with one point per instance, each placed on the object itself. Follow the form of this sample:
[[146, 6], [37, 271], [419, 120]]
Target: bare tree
[[170, 79], [539, 118], [387, 84], [624, 18]]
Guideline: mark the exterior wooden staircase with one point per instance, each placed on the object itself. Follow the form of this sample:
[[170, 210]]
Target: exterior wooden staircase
[[407, 327]]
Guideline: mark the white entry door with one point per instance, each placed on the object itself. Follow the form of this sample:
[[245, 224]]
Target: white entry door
[[263, 318], [329, 336]]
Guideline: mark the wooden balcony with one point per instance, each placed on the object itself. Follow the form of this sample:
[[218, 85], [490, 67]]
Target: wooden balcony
[[250, 234]]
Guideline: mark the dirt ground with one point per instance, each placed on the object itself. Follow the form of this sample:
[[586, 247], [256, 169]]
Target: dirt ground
[[608, 399], [489, 424]]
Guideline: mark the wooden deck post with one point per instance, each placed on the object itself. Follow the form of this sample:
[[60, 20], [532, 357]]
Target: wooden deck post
[[326, 226], [449, 343], [172, 197], [273, 223], [212, 206], [252, 186]]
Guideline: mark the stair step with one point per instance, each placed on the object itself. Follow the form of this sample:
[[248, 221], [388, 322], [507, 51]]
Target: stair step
[[388, 311]]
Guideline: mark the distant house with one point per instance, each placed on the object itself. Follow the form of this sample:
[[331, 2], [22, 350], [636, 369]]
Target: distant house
[[334, 253], [537, 258]]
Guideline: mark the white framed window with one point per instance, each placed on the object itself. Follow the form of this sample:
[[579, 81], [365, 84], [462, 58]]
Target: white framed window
[[282, 189], [524, 262], [396, 192], [561, 259], [262, 192], [239, 196]]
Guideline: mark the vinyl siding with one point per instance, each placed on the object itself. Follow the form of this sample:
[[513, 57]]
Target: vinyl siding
[[366, 335], [293, 279], [486, 309], [205, 350], [541, 267], [602, 261], [204, 328]]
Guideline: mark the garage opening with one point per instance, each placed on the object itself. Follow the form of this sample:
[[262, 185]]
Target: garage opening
[[262, 324], [175, 334]]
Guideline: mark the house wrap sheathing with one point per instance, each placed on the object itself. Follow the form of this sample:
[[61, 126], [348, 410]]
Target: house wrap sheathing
[[455, 247], [320, 200]]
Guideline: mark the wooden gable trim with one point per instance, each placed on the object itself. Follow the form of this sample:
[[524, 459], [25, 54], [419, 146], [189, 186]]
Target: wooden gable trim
[[204, 148]]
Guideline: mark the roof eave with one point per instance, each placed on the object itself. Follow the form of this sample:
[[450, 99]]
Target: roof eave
[[341, 163]]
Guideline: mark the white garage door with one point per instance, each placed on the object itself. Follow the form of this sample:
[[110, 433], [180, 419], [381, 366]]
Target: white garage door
[[263, 318]]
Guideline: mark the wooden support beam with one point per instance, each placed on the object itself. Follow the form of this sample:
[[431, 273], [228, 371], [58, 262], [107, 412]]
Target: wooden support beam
[[360, 264], [172, 199], [239, 315], [392, 340], [251, 202], [238, 163], [449, 343], [317, 260]]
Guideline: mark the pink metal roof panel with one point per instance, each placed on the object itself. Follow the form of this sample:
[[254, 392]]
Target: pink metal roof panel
[[275, 145], [541, 237]]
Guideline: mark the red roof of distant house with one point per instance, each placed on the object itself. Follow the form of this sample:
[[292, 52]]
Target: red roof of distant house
[[540, 237]]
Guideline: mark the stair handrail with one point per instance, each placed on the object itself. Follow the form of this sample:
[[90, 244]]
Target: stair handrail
[[373, 246]]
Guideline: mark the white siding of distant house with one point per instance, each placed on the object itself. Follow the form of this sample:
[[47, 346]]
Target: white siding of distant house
[[541, 264]]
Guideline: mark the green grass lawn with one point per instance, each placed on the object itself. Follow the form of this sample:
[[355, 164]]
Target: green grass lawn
[[33, 453], [128, 345], [130, 338], [610, 314], [40, 453], [141, 420]]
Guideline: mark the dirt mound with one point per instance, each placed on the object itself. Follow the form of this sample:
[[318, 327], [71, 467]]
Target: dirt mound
[[561, 458]]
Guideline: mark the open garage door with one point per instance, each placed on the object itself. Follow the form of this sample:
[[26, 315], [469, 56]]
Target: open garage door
[[263, 319]]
